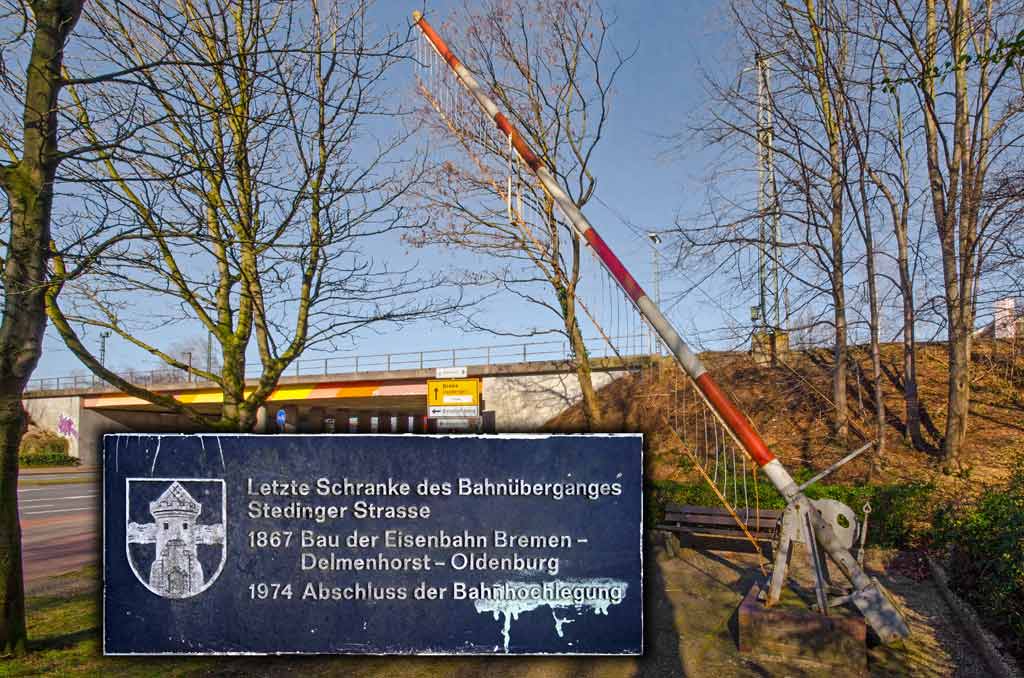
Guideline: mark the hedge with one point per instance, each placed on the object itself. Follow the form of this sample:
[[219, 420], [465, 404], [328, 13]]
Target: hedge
[[983, 541], [37, 442], [48, 459], [42, 448], [897, 510]]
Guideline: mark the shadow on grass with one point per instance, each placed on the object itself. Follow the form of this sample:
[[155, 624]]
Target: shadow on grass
[[661, 635], [40, 605], [64, 641]]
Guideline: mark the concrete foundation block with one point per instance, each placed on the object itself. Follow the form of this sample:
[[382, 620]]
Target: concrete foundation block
[[835, 645], [769, 348]]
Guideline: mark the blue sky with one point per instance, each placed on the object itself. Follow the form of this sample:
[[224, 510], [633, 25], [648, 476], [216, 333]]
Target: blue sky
[[658, 93]]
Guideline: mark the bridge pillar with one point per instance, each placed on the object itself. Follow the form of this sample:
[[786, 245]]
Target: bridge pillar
[[81, 427], [63, 416], [313, 422], [522, 403], [261, 420]]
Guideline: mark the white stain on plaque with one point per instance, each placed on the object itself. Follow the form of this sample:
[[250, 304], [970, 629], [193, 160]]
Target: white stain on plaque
[[577, 595], [559, 622]]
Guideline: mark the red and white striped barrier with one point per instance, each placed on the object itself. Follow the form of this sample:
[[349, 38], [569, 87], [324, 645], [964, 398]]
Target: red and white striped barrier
[[868, 596]]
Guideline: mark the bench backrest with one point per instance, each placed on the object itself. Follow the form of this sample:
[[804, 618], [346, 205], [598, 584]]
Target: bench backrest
[[711, 515]]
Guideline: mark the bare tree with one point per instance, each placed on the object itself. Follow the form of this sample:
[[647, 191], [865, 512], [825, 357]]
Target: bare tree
[[551, 67], [197, 350], [904, 95], [27, 175], [872, 186], [970, 127], [829, 67], [862, 213], [889, 170], [256, 187], [808, 59]]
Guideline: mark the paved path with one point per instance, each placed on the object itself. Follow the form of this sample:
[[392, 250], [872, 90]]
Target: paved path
[[60, 527], [689, 628]]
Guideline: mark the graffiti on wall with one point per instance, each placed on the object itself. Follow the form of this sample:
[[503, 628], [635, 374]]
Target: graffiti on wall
[[66, 427]]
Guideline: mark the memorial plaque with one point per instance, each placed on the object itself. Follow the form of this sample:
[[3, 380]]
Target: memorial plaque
[[372, 544]]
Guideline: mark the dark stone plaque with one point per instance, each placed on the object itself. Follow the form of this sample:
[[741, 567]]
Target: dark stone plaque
[[372, 544]]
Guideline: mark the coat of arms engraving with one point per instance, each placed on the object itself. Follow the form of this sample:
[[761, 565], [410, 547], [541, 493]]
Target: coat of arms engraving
[[177, 531]]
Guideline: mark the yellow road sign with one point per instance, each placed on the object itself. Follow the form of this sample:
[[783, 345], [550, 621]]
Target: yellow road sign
[[442, 392]]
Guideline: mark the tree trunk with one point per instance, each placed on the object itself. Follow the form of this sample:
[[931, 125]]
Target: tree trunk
[[246, 419], [237, 415], [233, 409], [581, 359], [229, 413], [591, 406], [959, 351], [899, 207], [841, 417], [876, 367], [831, 118], [867, 230], [956, 213], [910, 397], [28, 185], [21, 338], [12, 592]]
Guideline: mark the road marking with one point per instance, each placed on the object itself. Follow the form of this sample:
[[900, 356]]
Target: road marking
[[63, 510], [44, 489], [77, 496]]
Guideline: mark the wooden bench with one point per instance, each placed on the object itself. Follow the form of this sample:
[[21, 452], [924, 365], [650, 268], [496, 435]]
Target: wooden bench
[[712, 524]]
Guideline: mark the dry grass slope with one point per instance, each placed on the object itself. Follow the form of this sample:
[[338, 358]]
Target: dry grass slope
[[789, 405]]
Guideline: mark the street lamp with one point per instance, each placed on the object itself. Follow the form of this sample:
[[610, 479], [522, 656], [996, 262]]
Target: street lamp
[[103, 348]]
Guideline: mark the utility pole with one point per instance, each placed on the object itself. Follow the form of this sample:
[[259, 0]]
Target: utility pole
[[103, 348], [188, 357], [656, 268], [786, 299], [767, 201], [209, 352]]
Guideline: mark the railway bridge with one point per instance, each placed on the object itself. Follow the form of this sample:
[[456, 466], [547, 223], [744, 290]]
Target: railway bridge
[[520, 387]]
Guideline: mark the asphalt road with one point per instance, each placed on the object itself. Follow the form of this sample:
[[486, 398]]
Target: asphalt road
[[60, 528]]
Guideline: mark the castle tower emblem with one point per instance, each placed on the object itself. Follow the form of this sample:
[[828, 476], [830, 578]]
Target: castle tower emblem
[[176, 570]]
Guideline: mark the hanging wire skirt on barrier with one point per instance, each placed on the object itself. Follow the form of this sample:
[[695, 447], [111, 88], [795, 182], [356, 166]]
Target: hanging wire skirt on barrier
[[695, 428]]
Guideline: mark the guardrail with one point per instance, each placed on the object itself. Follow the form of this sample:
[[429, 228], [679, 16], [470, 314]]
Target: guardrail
[[496, 354]]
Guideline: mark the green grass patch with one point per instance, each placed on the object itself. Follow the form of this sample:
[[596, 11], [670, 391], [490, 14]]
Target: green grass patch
[[64, 637], [26, 480]]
